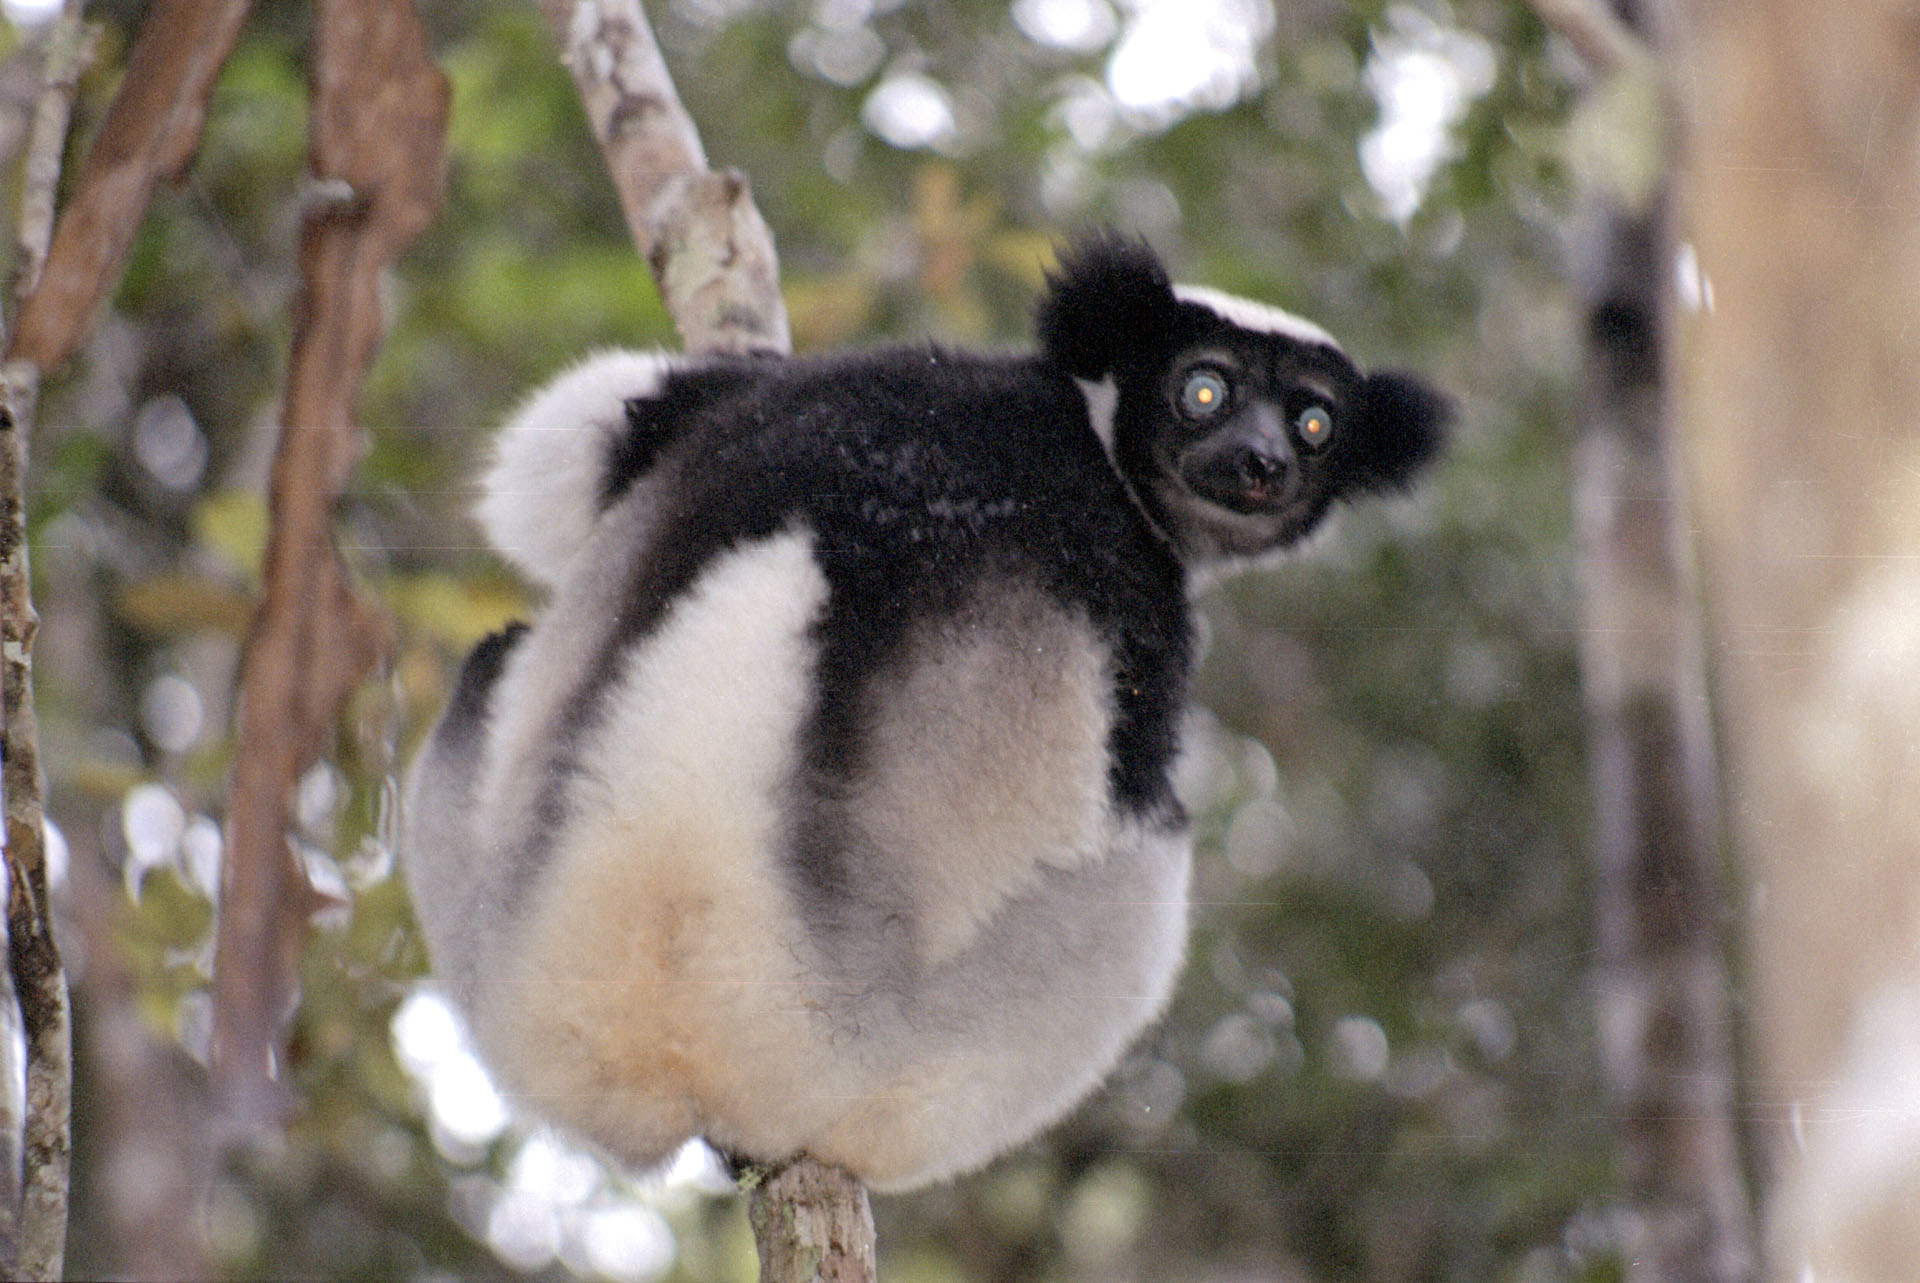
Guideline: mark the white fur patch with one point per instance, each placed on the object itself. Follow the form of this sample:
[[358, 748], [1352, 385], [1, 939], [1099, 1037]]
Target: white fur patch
[[660, 984], [1103, 403], [990, 761], [659, 980], [1013, 1032], [1249, 315], [538, 504]]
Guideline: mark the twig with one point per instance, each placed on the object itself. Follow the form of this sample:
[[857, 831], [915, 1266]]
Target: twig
[[151, 131], [70, 50], [699, 231], [377, 140], [33, 1241], [1603, 41], [713, 258]]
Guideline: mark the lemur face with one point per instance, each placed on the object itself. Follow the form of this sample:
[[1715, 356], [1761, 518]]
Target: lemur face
[[1236, 425], [1240, 433]]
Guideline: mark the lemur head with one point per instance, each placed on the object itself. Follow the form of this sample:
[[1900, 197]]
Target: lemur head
[[1236, 425]]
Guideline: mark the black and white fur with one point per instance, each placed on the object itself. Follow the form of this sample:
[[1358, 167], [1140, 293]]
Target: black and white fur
[[826, 807]]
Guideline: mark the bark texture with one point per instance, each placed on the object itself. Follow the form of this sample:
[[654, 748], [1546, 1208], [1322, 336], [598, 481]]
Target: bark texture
[[33, 1219], [34, 1180], [812, 1224]]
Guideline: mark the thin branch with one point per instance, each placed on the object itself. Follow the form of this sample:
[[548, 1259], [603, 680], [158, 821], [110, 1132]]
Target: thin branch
[[377, 141], [70, 50], [150, 133], [1602, 39], [699, 231], [33, 1241]]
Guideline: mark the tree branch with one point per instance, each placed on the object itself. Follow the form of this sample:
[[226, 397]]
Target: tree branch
[[33, 1203], [377, 148], [713, 258], [150, 133], [699, 231], [1602, 39], [812, 1224]]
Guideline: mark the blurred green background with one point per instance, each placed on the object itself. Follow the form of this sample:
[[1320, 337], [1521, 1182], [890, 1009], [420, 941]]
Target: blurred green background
[[1381, 1059]]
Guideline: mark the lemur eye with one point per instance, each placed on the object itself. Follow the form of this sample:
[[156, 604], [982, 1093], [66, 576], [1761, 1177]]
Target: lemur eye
[[1315, 425], [1203, 394]]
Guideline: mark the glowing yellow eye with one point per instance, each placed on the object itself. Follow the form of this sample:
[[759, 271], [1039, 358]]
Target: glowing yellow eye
[[1315, 425], [1203, 393]]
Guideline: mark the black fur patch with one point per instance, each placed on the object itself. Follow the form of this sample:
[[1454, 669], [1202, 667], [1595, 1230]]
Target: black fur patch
[[1109, 301], [918, 472], [654, 421], [1405, 429], [467, 709]]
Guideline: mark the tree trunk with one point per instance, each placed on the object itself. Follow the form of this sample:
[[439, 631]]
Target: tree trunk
[[1664, 1006], [1799, 387]]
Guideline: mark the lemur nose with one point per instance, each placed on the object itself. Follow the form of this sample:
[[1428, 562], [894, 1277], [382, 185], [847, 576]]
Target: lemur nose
[[1243, 475], [1263, 471]]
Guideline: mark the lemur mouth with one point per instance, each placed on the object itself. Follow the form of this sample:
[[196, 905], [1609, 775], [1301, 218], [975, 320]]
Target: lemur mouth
[[1250, 482]]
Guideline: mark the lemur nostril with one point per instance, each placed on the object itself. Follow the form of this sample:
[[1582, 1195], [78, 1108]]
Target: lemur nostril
[[1258, 467], [1262, 471]]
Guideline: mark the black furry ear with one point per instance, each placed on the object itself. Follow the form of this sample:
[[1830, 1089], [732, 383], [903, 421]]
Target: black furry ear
[[1405, 426], [1110, 298]]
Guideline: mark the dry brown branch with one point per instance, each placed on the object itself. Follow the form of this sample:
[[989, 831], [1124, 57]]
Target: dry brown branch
[[713, 258], [699, 231], [377, 141], [33, 1204], [812, 1225], [149, 135]]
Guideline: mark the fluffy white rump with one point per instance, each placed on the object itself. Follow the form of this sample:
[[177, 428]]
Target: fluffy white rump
[[538, 502]]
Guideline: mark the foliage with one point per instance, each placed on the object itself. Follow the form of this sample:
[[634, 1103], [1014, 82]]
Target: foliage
[[1381, 1061]]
